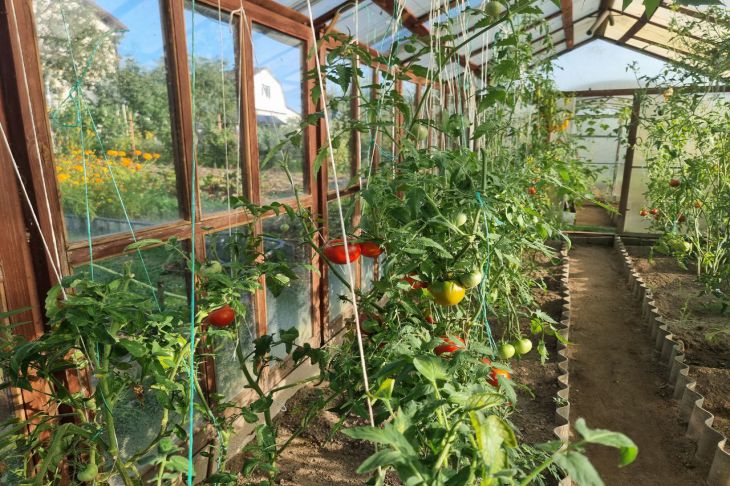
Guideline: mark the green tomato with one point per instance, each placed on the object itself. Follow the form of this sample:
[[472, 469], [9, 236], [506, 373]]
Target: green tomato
[[523, 346], [459, 219], [687, 246], [211, 268], [506, 350], [89, 473], [421, 133], [284, 228], [471, 279], [494, 8]]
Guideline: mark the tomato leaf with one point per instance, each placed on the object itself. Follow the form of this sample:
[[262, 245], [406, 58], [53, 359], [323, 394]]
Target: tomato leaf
[[430, 367], [626, 446], [579, 468]]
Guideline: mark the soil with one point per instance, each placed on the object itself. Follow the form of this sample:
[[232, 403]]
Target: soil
[[690, 315], [322, 455], [535, 411], [617, 384], [592, 215]]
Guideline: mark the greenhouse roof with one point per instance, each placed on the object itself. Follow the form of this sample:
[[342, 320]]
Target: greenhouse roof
[[571, 24]]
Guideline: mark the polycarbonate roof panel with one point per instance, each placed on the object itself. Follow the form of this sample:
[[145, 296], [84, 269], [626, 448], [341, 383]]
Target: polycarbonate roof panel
[[419, 7], [319, 7], [581, 8], [621, 23]]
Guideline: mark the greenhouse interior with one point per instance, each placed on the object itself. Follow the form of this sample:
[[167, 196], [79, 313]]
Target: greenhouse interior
[[382, 242]]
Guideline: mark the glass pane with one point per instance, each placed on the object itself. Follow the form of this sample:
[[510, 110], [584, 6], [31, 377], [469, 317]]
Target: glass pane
[[366, 139], [216, 105], [367, 274], [278, 94], [336, 286], [155, 272], [112, 133], [340, 112], [409, 94], [386, 117], [230, 246], [292, 308]]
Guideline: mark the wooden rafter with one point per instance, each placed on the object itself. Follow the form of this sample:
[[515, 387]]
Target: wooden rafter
[[605, 5], [332, 13], [634, 29], [566, 8], [654, 24]]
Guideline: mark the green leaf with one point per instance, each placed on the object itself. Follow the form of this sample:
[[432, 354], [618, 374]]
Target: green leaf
[[178, 464], [143, 243], [430, 367], [135, 348], [628, 449], [650, 7], [579, 468], [385, 390], [471, 401], [380, 459]]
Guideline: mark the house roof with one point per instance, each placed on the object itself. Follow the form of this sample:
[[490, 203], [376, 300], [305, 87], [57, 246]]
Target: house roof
[[571, 23]]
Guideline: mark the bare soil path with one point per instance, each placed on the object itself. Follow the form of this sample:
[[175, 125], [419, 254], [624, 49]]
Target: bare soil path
[[616, 383]]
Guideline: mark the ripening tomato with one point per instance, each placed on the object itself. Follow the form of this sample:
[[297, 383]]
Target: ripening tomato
[[335, 251], [415, 284], [487, 361], [447, 293], [371, 249], [428, 317], [222, 317], [654, 211], [494, 376], [532, 190], [698, 203], [682, 218], [674, 183], [449, 347], [643, 213]]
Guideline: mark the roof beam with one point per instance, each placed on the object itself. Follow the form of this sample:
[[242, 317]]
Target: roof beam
[[452, 3], [605, 5], [634, 29], [566, 8], [331, 13], [655, 24]]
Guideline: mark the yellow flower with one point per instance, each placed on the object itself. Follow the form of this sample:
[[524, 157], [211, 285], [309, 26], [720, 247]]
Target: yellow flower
[[111, 152], [138, 166], [79, 168], [98, 180], [63, 177], [89, 152], [156, 156], [137, 152], [122, 153], [126, 161], [147, 156]]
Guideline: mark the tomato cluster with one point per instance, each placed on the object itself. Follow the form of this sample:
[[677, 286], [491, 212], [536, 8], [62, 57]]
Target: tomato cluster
[[335, 251]]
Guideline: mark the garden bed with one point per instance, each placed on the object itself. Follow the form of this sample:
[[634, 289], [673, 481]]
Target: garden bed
[[690, 316]]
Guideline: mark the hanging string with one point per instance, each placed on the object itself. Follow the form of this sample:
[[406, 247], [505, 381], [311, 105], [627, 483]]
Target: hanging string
[[192, 375], [484, 284], [351, 278]]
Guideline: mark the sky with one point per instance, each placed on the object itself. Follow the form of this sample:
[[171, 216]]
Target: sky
[[143, 42]]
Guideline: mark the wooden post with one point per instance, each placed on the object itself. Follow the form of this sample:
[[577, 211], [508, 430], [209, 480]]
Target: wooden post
[[629, 163]]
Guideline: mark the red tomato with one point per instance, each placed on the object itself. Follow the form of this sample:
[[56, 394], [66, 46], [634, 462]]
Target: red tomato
[[449, 347], [415, 284], [428, 317], [222, 317], [682, 218], [493, 376], [643, 212], [487, 361], [371, 249], [532, 190], [335, 251], [674, 183], [654, 211]]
